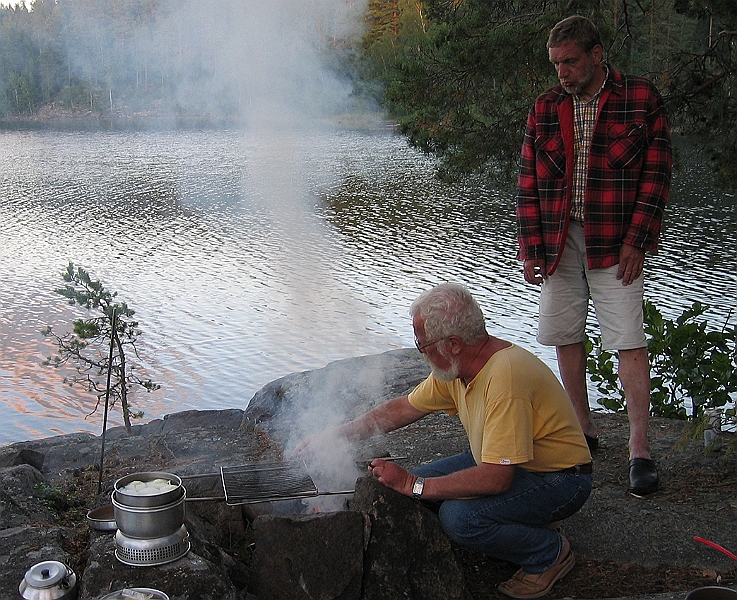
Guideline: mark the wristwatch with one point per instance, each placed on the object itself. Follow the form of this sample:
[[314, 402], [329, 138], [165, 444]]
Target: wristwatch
[[418, 487]]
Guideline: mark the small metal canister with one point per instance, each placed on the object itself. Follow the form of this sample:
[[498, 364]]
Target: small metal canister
[[49, 580]]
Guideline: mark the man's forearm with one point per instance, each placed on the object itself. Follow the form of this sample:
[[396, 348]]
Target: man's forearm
[[482, 480], [386, 417]]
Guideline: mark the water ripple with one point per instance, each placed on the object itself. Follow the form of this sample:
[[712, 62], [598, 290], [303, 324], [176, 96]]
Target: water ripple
[[250, 258]]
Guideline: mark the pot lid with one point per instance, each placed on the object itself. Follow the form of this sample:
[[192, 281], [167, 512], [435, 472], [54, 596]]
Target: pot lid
[[46, 574]]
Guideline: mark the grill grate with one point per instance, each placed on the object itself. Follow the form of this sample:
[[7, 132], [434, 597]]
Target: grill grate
[[267, 481]]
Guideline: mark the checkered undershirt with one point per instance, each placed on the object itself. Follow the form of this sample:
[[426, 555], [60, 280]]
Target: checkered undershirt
[[584, 119]]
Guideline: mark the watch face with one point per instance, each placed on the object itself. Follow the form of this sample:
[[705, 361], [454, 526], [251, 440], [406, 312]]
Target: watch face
[[418, 487]]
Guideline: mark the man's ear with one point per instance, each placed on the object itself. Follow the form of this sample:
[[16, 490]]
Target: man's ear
[[456, 345], [597, 54]]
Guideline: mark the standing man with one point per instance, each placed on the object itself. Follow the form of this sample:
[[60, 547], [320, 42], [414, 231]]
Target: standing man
[[593, 184], [528, 465]]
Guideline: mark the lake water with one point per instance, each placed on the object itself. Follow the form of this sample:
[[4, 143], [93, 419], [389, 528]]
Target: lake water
[[248, 257]]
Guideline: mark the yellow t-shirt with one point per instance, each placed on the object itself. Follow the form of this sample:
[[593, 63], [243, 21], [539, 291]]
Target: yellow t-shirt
[[515, 412]]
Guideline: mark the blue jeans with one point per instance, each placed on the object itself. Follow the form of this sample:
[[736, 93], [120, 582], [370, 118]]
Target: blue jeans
[[512, 526]]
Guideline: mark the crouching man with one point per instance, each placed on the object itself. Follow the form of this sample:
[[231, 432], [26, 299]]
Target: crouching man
[[528, 465]]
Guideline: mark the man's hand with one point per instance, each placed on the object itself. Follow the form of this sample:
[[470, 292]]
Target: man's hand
[[393, 476], [631, 263], [314, 444], [535, 270]]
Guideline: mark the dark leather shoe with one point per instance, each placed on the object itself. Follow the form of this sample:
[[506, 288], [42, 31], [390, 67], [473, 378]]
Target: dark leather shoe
[[644, 478]]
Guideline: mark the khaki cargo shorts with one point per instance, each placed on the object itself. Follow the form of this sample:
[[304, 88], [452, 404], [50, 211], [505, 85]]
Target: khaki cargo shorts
[[564, 301]]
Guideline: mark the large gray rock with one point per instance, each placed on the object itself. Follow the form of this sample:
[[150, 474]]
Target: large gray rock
[[190, 442], [189, 577], [408, 555], [62, 453], [22, 456], [308, 557], [22, 495], [347, 387]]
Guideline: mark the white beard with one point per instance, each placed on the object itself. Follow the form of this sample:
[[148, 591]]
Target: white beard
[[445, 374]]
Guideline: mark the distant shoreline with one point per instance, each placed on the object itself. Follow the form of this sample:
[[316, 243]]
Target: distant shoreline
[[65, 120]]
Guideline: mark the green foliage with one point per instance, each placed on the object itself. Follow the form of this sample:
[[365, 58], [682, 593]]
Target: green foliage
[[87, 347], [115, 58], [53, 498], [76, 96], [698, 83], [600, 366], [689, 363], [72, 53], [460, 75]]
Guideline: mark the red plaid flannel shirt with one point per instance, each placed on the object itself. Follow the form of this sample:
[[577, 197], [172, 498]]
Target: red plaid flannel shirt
[[628, 177]]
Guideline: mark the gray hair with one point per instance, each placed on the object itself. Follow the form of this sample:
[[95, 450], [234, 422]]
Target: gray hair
[[576, 29], [450, 309]]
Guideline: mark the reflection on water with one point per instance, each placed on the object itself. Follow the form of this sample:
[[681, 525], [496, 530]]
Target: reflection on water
[[248, 258]]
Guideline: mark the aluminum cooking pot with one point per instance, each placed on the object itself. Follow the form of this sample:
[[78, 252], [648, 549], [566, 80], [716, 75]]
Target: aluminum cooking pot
[[49, 580], [149, 523]]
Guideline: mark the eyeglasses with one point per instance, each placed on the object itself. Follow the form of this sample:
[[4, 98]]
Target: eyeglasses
[[422, 347]]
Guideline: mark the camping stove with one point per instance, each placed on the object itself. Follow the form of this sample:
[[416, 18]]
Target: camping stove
[[137, 552], [151, 527]]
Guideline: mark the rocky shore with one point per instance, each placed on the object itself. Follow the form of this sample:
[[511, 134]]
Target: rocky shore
[[625, 546]]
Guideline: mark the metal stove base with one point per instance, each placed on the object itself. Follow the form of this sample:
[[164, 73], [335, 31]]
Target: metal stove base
[[136, 552]]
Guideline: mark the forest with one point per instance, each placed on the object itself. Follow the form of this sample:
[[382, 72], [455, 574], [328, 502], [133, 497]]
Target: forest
[[457, 76]]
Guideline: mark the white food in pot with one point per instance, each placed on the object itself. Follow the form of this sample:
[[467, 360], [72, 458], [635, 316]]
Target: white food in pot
[[148, 488]]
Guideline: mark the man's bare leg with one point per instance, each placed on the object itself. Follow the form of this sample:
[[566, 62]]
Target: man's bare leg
[[634, 373], [572, 366]]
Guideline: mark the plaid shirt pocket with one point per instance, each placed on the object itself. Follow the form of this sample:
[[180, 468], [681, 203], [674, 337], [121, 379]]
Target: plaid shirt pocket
[[551, 157], [626, 145]]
